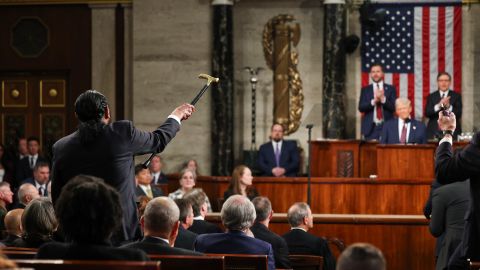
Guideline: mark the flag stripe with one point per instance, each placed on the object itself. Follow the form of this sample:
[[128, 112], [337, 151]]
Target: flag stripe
[[365, 79], [441, 39], [418, 60], [411, 93], [433, 50], [449, 42], [426, 54], [457, 50], [396, 82]]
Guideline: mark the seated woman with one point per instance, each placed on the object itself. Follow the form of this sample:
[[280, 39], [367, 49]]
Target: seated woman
[[241, 183], [187, 182], [89, 213], [38, 224]]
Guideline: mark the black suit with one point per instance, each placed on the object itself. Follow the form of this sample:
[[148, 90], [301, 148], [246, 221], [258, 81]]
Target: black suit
[[162, 179], [8, 241], [432, 100], [280, 248], [65, 251], [301, 242], [427, 211], [202, 227], [185, 239], [33, 182], [23, 170], [156, 192], [110, 157], [459, 167], [152, 245]]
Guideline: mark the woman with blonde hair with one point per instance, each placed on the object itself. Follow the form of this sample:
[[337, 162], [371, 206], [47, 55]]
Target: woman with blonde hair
[[241, 183], [187, 181]]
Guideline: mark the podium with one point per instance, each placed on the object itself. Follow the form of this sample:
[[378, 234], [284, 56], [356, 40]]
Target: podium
[[398, 161]]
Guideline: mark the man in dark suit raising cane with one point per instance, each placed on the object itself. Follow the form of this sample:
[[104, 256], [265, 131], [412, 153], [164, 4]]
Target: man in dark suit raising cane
[[377, 103], [106, 150]]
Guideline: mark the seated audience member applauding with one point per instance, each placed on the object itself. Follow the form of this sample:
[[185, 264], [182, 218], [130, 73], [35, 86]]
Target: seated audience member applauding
[[87, 227], [187, 182], [185, 238], [143, 178], [238, 215], [403, 129], [298, 239], [263, 208], [198, 199], [241, 183], [27, 193], [361, 256], [38, 224], [160, 225], [13, 221]]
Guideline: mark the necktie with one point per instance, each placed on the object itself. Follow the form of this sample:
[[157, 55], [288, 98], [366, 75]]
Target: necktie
[[277, 154], [403, 137], [155, 179], [149, 192], [31, 162], [40, 191], [379, 107]]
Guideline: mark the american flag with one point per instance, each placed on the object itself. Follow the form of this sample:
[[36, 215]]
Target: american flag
[[415, 43]]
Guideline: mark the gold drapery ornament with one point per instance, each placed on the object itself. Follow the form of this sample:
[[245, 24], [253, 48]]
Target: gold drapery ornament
[[279, 42]]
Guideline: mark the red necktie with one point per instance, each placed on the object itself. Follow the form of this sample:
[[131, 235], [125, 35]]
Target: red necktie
[[379, 107], [403, 137]]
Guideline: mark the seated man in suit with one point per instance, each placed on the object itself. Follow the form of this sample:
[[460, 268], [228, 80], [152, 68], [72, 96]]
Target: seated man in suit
[[361, 256], [27, 193], [377, 103], [298, 239], [26, 165], [185, 238], [40, 179], [198, 199], [87, 227], [278, 157], [156, 165], [13, 219], [238, 215], [143, 178], [263, 209], [160, 226], [6, 198], [403, 129]]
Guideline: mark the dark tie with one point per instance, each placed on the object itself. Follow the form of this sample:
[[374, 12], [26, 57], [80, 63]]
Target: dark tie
[[403, 137], [277, 155], [155, 179], [379, 107], [31, 162], [40, 191]]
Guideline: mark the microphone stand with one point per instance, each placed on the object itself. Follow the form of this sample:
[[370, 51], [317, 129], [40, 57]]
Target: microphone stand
[[309, 171]]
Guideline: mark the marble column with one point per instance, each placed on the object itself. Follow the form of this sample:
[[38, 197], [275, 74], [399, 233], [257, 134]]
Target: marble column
[[222, 93], [334, 60]]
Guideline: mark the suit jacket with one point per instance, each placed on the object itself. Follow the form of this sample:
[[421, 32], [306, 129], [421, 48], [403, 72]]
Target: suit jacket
[[162, 179], [202, 227], [390, 132], [8, 241], [280, 248], [23, 170], [152, 245], [432, 100], [301, 242], [450, 203], [68, 251], [427, 211], [32, 181], [365, 106], [289, 158], [465, 164], [234, 242], [185, 239], [156, 192], [110, 157]]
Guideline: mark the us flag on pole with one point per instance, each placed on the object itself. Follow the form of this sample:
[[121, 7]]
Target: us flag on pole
[[415, 43]]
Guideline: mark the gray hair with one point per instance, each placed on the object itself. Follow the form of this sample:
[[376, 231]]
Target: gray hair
[[185, 170], [296, 213], [402, 101], [362, 256], [196, 197], [238, 213], [38, 219], [24, 190], [263, 207], [161, 214]]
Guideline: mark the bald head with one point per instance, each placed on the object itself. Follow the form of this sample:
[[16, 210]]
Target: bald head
[[13, 219], [26, 193], [160, 217]]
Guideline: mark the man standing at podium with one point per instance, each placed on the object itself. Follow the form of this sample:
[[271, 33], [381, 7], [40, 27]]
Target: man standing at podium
[[278, 157], [377, 103], [403, 130]]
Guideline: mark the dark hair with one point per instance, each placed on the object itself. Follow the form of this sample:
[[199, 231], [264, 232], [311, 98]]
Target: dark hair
[[275, 124], [263, 207], [184, 207], [361, 256], [376, 65], [38, 221], [139, 168], [40, 164], [81, 219], [90, 108], [33, 138], [444, 73]]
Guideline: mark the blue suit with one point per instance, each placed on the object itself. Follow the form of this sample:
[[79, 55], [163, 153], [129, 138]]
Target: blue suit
[[390, 132], [289, 158], [365, 106], [234, 242]]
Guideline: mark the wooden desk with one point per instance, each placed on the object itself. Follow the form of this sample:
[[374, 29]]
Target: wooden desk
[[405, 161]]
